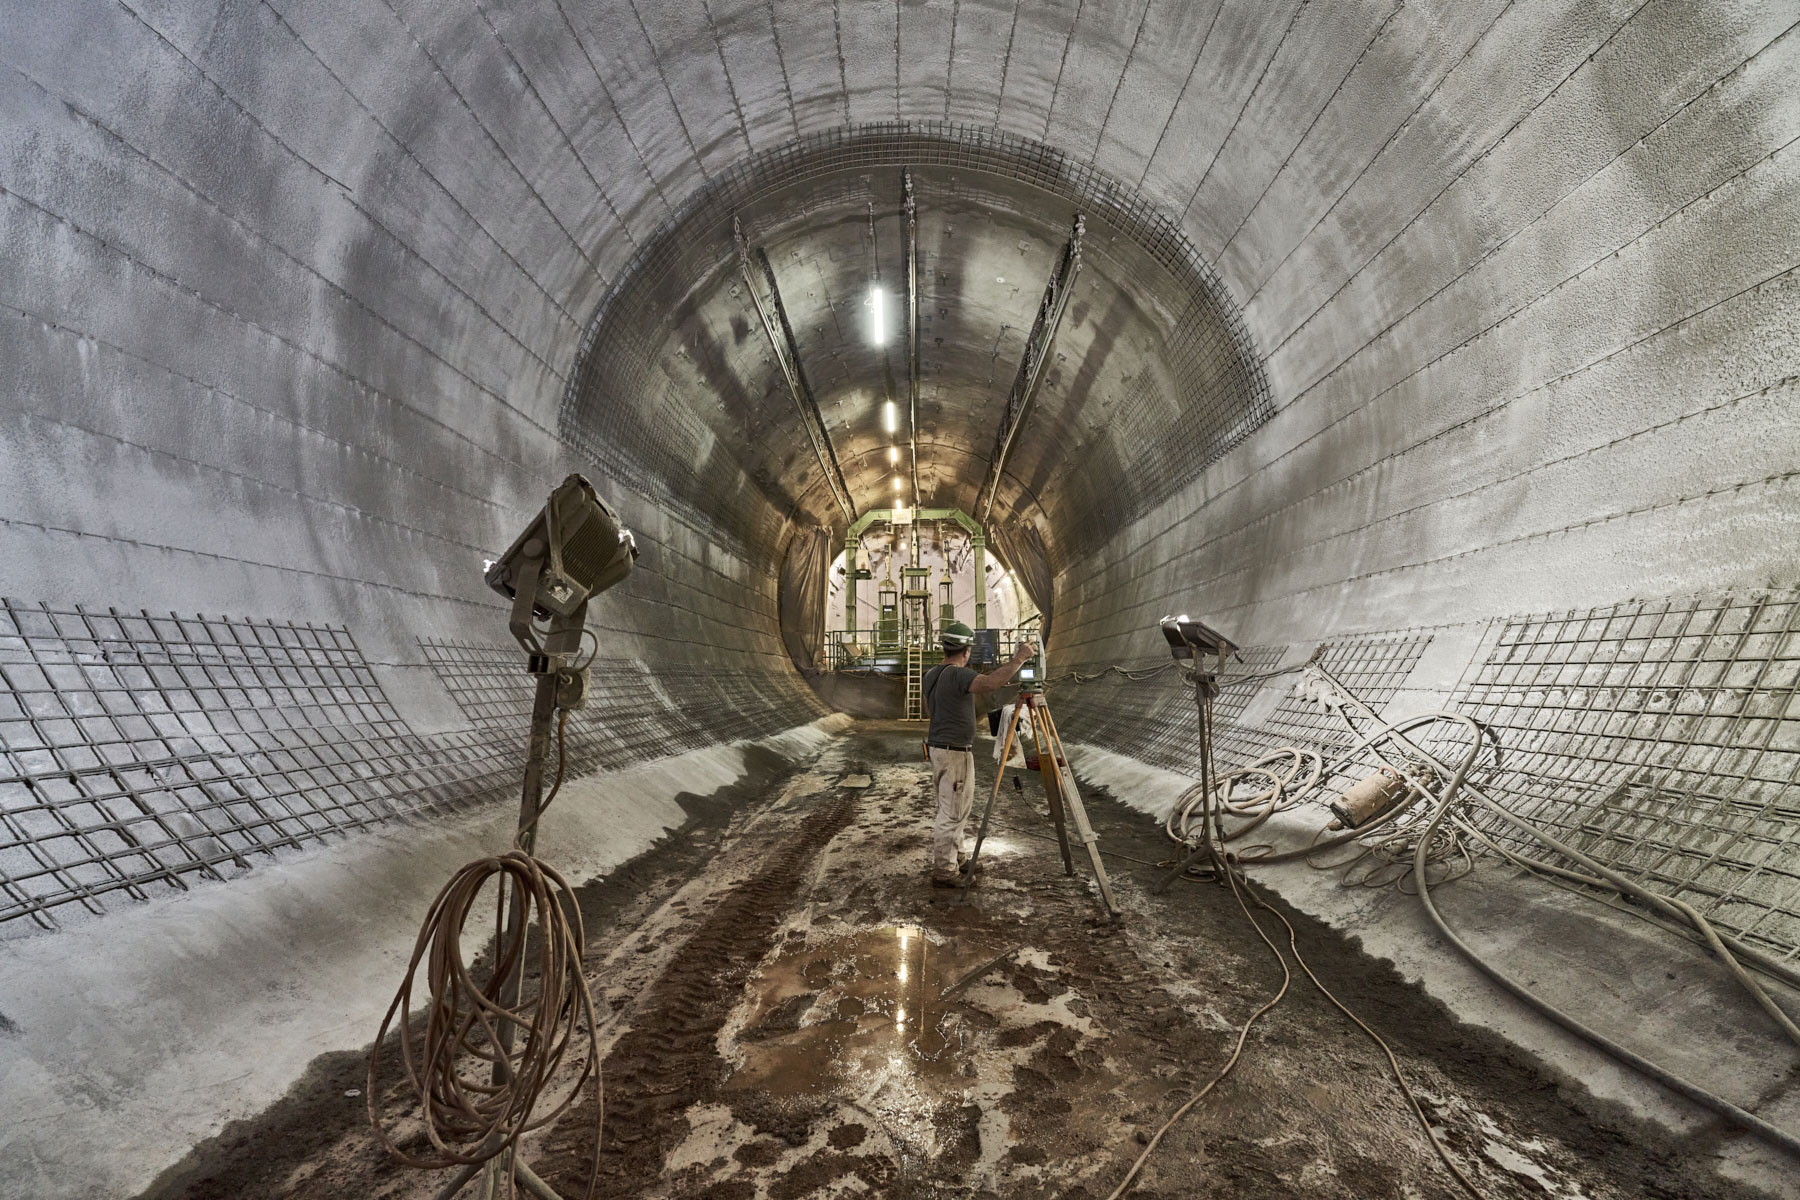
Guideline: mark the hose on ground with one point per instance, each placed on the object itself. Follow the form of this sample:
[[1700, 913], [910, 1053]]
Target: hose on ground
[[1442, 811], [1725, 948], [1256, 808], [1214, 801], [1707, 1099], [1435, 835], [485, 1053]]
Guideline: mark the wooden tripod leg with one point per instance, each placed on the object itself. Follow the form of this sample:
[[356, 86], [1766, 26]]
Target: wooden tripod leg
[[988, 812], [1077, 811], [1049, 770]]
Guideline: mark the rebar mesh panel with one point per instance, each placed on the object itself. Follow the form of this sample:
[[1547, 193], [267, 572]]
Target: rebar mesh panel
[[1154, 720], [1372, 668], [137, 750], [633, 714], [1662, 738]]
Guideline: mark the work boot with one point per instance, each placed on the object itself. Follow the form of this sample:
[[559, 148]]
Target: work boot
[[967, 865], [946, 881]]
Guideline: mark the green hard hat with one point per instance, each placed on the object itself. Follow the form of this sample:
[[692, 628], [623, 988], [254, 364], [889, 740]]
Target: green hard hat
[[957, 636]]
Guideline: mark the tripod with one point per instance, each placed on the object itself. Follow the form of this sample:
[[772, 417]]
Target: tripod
[[1059, 786]]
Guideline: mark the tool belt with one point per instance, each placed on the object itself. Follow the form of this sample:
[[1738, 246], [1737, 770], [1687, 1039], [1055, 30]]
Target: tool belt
[[942, 746]]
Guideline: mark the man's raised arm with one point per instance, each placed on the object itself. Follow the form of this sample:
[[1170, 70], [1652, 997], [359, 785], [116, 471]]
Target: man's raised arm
[[1001, 675]]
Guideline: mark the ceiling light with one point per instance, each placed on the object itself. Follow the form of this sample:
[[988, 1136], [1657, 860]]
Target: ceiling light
[[896, 483], [893, 454], [890, 416], [877, 316]]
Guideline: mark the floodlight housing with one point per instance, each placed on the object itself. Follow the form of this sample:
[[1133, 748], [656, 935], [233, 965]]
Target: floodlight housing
[[1187, 636], [574, 549]]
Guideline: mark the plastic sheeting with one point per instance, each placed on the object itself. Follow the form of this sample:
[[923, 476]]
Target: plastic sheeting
[[805, 573], [1022, 550]]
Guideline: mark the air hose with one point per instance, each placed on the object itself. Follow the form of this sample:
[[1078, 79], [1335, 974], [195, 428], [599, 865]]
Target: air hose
[[1443, 809], [1443, 823], [1694, 1092]]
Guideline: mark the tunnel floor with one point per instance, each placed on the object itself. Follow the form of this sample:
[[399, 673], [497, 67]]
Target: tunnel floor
[[795, 1012]]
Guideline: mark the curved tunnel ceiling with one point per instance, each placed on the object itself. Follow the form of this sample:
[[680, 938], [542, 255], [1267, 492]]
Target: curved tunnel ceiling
[[1151, 375]]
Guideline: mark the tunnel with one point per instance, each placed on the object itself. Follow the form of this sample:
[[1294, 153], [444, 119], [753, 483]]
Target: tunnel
[[1359, 441]]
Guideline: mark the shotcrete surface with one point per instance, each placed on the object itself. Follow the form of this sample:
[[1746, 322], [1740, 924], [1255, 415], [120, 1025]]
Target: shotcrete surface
[[795, 1012], [128, 1039]]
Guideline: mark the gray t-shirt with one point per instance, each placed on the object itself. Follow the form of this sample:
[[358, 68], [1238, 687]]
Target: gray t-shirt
[[946, 690]]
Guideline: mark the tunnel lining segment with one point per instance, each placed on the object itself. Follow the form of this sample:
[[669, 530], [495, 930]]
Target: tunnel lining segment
[[1220, 392]]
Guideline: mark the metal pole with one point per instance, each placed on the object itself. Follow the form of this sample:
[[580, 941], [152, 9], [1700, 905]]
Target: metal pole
[[851, 545], [537, 753], [1203, 702], [979, 544]]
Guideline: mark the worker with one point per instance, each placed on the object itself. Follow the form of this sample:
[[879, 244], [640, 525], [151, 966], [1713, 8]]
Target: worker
[[949, 690]]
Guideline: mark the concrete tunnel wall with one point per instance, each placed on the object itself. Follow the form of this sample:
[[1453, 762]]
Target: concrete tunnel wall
[[296, 290]]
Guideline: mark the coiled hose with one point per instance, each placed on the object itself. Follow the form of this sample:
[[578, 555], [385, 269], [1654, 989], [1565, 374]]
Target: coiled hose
[[1441, 837], [486, 1054]]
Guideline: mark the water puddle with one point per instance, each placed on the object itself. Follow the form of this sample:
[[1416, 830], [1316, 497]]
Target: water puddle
[[917, 1040], [854, 1013]]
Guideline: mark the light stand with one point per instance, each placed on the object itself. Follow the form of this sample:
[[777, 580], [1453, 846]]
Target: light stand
[[574, 549], [1192, 641]]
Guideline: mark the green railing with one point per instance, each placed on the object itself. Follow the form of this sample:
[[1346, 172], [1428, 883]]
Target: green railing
[[869, 650]]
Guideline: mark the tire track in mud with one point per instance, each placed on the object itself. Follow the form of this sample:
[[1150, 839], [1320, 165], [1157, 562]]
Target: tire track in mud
[[668, 1059]]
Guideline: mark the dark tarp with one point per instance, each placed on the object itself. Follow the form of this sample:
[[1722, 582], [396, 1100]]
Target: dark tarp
[[804, 576], [1022, 550]]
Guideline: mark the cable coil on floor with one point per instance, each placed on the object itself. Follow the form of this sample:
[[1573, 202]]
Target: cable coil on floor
[[483, 1058]]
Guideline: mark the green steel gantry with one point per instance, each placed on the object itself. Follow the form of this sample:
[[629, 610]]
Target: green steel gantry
[[876, 516]]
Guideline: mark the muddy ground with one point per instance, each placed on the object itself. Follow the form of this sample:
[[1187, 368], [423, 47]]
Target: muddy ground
[[794, 1012]]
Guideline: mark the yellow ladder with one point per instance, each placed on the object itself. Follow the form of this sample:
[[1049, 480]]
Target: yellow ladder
[[915, 698]]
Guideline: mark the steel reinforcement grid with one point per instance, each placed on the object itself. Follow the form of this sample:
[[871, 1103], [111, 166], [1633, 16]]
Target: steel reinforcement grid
[[633, 713], [1154, 720], [1661, 738], [139, 749]]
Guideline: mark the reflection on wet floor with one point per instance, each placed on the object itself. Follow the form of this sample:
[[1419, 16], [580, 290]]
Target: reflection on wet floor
[[863, 1018]]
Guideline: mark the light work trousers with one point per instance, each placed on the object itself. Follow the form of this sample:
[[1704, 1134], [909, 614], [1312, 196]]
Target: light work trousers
[[953, 779]]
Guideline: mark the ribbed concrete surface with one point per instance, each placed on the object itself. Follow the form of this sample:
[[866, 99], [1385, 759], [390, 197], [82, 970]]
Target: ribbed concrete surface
[[295, 292], [315, 273]]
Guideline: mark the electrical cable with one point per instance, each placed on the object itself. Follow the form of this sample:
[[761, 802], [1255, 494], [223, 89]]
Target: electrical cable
[[1257, 808], [468, 1121], [1237, 1052], [1720, 944], [1601, 873], [1211, 826], [1699, 1095], [1418, 845]]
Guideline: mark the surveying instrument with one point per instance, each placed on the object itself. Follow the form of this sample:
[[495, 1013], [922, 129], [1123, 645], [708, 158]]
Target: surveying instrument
[[1059, 782]]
